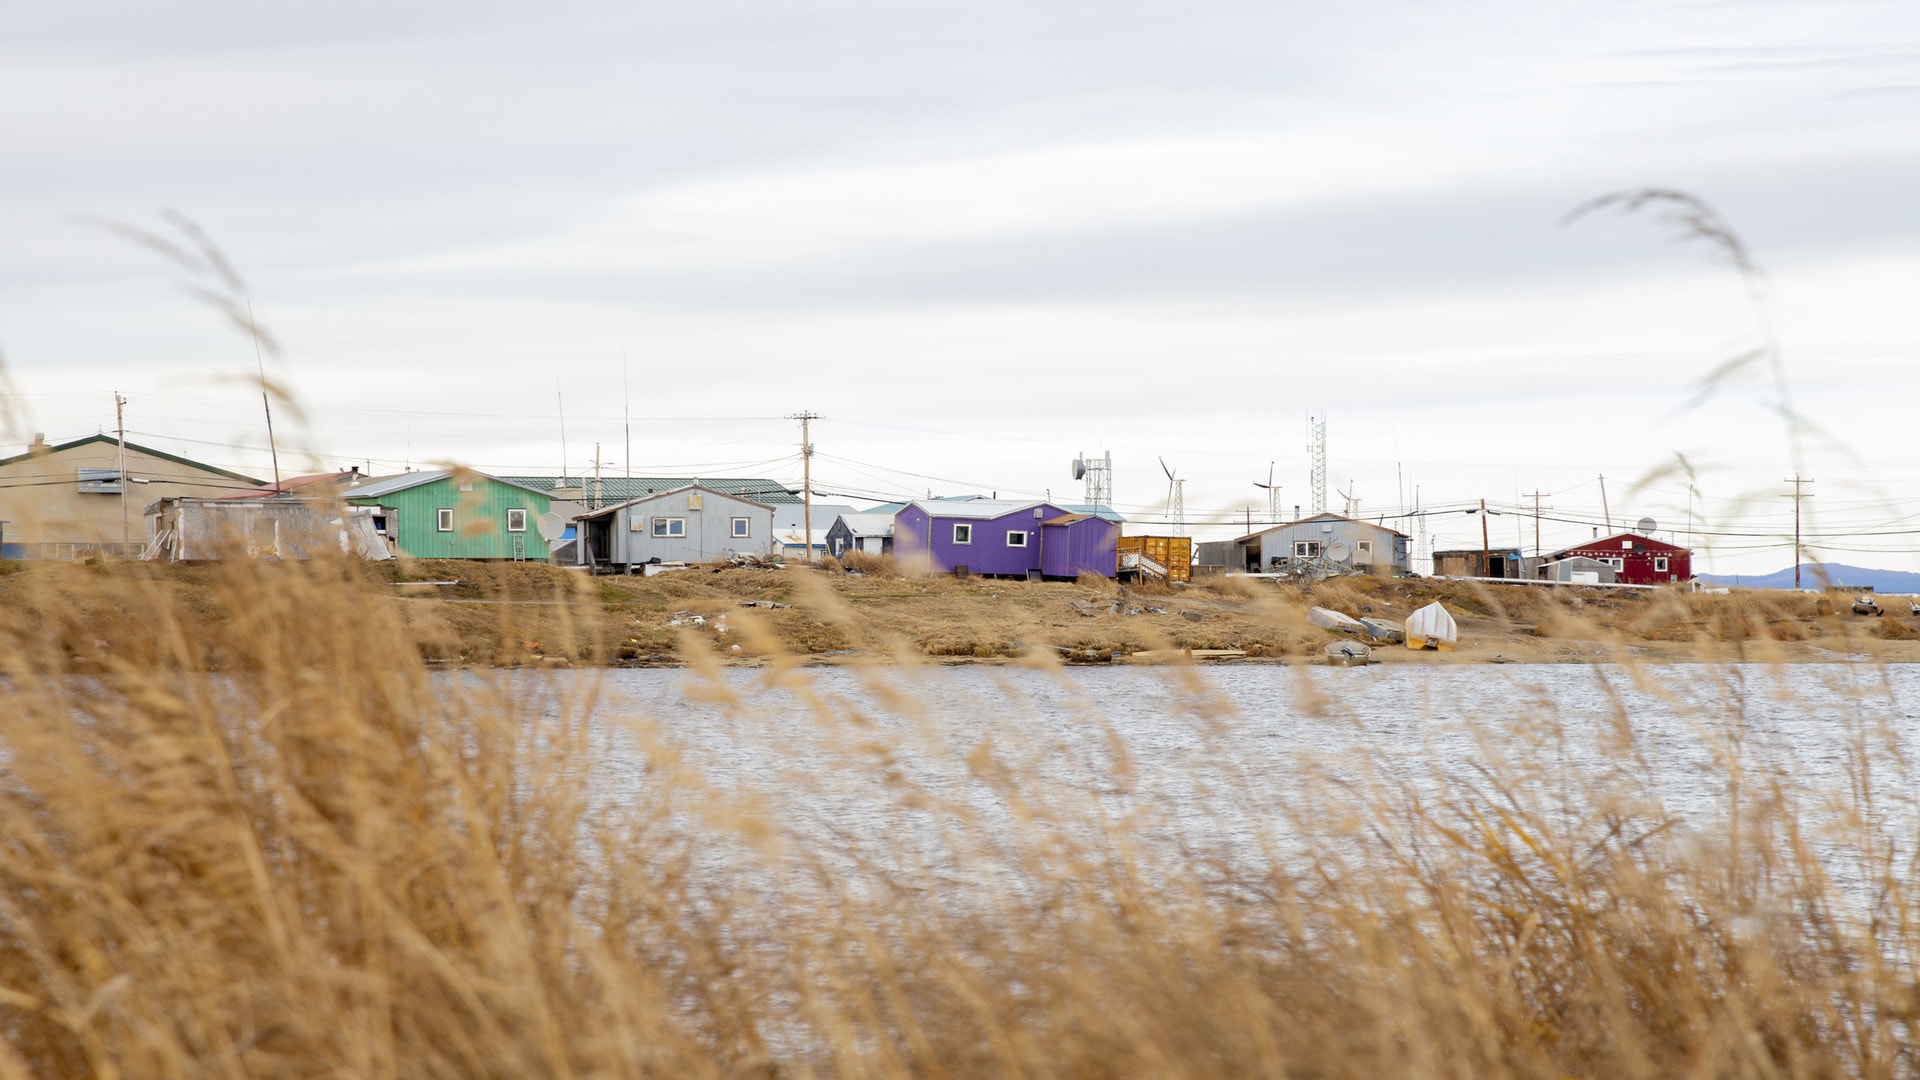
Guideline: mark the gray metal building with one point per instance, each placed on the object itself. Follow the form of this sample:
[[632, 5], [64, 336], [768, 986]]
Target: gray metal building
[[688, 524], [1326, 539]]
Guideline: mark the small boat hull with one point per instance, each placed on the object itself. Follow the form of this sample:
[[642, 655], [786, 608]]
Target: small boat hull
[[1349, 654], [1383, 629], [1328, 619]]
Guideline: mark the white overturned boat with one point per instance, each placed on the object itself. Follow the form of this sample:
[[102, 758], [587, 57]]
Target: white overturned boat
[[1432, 627], [1329, 619]]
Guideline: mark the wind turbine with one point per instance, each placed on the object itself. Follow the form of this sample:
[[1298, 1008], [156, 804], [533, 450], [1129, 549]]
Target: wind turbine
[[1176, 500], [1273, 496]]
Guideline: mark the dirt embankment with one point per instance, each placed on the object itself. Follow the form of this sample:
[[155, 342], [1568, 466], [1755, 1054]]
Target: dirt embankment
[[511, 614]]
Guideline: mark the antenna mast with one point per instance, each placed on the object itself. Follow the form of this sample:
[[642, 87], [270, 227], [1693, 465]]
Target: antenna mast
[[265, 405], [1317, 461]]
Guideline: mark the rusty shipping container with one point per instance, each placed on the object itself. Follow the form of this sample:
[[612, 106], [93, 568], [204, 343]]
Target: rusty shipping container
[[1173, 552]]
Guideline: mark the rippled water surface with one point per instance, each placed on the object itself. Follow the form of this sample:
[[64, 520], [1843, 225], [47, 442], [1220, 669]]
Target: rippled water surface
[[1210, 753]]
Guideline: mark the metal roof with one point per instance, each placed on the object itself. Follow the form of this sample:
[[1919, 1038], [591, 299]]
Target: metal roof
[[613, 489], [986, 509], [1318, 517], [40, 449], [602, 511], [407, 481], [869, 524]]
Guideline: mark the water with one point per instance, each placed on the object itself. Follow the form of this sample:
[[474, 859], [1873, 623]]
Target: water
[[883, 763]]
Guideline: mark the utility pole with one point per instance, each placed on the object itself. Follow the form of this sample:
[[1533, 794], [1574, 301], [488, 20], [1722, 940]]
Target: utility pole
[[1536, 497], [120, 426], [1486, 545], [806, 478], [1603, 504], [1798, 481], [594, 504]]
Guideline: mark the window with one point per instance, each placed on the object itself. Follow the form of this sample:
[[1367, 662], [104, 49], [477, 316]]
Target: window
[[669, 526], [1659, 564], [443, 519], [1616, 563], [1016, 538], [1306, 549], [1364, 548], [1626, 545], [742, 527], [963, 534], [516, 520], [99, 481]]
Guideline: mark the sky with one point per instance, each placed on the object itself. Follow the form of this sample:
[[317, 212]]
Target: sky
[[979, 240]]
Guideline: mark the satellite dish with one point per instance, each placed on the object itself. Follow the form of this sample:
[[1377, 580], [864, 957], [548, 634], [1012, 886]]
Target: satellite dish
[[1079, 469], [1338, 551], [550, 526], [1645, 526]]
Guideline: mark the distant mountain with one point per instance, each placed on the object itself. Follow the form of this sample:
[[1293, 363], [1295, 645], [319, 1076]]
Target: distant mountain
[[1883, 581]]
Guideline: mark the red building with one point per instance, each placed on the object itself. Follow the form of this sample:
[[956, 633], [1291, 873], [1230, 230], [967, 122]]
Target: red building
[[1639, 560]]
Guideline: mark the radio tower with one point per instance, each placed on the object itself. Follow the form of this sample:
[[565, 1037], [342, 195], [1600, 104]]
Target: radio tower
[[1100, 480], [1317, 461]]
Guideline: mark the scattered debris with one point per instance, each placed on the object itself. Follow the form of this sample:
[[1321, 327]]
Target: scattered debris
[[755, 562], [764, 604]]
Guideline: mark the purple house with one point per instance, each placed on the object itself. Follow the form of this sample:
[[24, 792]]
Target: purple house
[[1003, 538]]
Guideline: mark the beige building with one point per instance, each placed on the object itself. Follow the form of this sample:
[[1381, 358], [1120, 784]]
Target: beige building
[[62, 501]]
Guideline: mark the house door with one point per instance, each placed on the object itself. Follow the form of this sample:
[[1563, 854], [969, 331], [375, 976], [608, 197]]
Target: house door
[[599, 540]]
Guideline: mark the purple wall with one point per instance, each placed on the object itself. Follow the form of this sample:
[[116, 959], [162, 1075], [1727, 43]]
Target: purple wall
[[925, 543], [1091, 545]]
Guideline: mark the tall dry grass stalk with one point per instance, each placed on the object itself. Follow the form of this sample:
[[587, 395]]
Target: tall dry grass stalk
[[267, 840]]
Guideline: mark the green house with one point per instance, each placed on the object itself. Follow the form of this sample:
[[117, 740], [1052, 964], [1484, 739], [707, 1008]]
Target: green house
[[456, 515]]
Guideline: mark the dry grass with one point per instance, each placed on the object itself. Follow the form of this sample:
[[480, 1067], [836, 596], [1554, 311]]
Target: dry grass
[[330, 860]]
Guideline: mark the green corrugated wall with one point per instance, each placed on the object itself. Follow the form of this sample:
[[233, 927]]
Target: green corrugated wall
[[479, 519]]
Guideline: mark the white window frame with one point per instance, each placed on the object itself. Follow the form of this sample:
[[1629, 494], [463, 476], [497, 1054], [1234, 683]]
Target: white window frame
[[1306, 549], [962, 533], [1626, 545], [1660, 564], [516, 519], [1021, 533], [1363, 550], [443, 519], [742, 528], [669, 528], [1616, 562]]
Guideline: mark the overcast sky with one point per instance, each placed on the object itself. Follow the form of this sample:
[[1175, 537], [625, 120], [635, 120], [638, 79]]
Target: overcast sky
[[979, 239]]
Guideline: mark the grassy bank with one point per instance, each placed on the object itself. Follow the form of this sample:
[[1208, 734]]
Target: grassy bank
[[333, 860], [491, 614]]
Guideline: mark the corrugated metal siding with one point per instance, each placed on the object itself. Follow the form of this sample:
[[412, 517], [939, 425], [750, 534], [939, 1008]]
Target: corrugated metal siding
[[1389, 549], [1088, 546], [709, 529], [479, 519], [1173, 552], [987, 553]]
